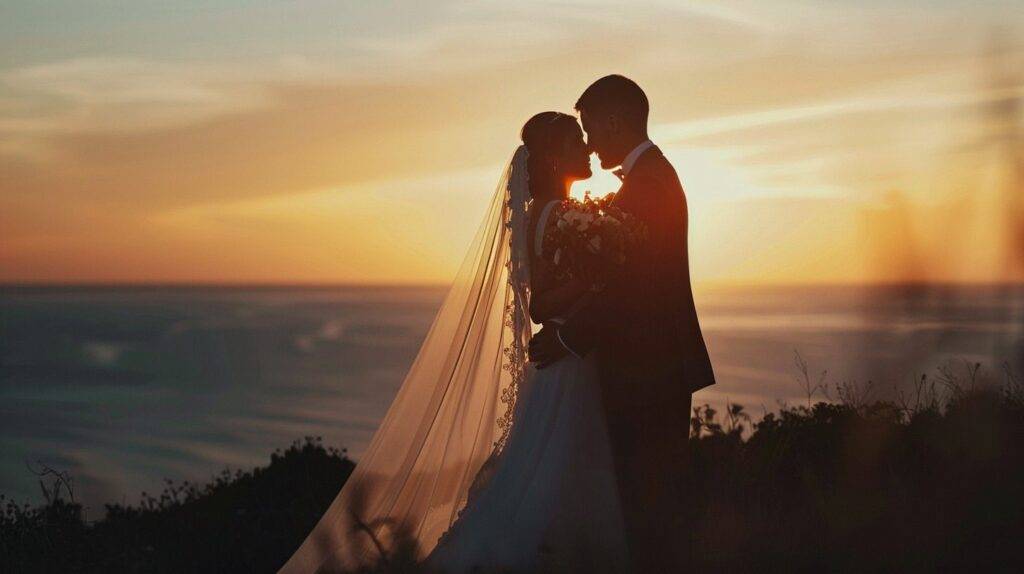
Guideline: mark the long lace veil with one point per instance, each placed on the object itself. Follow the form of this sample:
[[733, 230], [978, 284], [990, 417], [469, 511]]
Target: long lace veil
[[451, 416]]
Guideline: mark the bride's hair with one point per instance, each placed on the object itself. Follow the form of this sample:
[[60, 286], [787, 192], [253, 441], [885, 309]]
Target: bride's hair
[[544, 136]]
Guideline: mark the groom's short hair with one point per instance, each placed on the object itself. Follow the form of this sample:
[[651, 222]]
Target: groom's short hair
[[617, 95]]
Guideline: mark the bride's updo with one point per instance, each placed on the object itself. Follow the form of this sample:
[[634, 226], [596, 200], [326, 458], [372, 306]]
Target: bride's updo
[[545, 135]]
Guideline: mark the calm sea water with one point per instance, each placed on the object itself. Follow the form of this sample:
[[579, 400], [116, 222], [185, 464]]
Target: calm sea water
[[123, 387]]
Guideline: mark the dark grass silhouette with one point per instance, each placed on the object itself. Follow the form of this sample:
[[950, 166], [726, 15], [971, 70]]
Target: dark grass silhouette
[[239, 522], [930, 481]]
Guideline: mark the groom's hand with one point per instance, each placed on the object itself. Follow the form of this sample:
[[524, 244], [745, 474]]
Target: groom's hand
[[545, 348]]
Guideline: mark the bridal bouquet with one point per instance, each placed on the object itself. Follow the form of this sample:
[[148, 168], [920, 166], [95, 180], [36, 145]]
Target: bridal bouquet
[[590, 238]]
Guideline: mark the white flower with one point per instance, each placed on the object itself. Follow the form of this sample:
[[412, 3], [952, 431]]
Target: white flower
[[576, 215], [584, 221]]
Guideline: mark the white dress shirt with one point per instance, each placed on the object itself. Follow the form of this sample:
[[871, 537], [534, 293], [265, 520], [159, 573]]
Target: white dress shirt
[[631, 157], [622, 172]]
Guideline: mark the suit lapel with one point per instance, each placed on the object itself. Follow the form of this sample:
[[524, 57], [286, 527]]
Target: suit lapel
[[618, 194], [649, 153]]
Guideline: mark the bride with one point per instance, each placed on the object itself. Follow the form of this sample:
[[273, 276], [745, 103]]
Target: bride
[[482, 462]]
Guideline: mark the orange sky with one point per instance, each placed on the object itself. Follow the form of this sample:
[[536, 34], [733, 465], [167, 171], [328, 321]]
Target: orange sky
[[307, 142]]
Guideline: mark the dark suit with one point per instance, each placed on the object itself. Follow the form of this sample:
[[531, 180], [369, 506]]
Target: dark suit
[[651, 357]]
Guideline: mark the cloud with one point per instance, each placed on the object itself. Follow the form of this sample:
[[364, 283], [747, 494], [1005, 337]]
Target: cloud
[[857, 141], [121, 94], [115, 81]]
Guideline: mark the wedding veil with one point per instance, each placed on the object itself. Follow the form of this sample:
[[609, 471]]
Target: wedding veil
[[449, 420]]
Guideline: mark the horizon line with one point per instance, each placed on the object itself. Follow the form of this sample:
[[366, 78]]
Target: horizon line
[[713, 284]]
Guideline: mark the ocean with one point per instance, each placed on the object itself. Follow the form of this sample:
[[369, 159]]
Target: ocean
[[123, 387]]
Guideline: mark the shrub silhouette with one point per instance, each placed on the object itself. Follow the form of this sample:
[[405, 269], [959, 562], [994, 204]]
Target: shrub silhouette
[[239, 522]]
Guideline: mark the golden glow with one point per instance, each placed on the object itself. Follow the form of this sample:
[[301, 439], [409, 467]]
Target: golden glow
[[885, 153]]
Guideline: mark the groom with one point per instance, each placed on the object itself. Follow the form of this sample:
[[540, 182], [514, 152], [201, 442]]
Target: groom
[[644, 329]]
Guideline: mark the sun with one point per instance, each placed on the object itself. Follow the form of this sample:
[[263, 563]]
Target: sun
[[600, 184]]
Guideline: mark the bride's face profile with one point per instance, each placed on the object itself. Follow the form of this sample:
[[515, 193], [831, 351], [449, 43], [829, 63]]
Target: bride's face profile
[[575, 160], [558, 153]]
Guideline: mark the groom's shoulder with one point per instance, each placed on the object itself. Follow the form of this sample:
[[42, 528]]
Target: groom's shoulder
[[654, 168]]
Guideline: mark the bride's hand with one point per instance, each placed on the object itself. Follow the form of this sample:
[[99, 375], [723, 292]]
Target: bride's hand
[[545, 348]]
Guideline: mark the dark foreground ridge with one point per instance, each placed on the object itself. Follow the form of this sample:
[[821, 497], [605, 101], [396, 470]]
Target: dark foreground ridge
[[932, 481]]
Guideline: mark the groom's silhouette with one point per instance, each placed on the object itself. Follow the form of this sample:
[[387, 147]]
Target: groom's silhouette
[[644, 328]]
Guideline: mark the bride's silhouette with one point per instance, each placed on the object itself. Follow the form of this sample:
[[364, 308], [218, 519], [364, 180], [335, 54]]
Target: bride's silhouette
[[551, 503]]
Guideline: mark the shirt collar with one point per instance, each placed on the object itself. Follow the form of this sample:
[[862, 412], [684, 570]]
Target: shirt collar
[[627, 164]]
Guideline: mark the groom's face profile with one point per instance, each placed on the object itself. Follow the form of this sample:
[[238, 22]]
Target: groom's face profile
[[576, 156], [601, 133]]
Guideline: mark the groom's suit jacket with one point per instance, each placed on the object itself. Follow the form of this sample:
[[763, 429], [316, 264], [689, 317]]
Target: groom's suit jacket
[[644, 325]]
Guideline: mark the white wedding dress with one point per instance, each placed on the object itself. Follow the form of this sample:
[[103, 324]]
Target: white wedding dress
[[551, 504], [482, 463]]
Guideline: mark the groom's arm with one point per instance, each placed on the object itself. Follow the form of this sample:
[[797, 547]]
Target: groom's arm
[[592, 320]]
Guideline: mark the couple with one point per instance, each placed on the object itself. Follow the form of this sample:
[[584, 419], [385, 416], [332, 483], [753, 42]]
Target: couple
[[560, 451]]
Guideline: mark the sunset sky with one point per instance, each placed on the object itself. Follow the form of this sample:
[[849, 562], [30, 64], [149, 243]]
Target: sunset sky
[[351, 141]]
